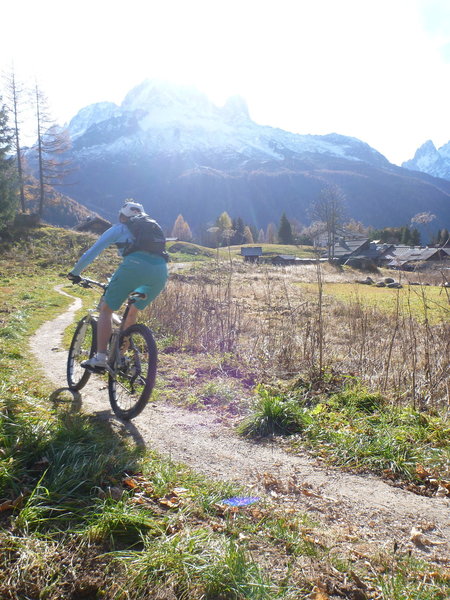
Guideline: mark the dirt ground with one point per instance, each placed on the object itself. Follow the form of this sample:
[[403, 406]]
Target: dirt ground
[[360, 513]]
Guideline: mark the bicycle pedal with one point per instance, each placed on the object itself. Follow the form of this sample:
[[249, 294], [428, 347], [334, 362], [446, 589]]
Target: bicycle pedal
[[98, 370]]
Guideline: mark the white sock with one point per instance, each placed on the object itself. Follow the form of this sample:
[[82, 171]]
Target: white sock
[[101, 356]]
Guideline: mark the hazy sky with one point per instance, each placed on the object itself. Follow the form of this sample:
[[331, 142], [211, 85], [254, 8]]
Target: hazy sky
[[378, 70]]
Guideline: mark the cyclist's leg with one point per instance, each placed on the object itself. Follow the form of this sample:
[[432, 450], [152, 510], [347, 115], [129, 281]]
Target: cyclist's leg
[[131, 317], [104, 327]]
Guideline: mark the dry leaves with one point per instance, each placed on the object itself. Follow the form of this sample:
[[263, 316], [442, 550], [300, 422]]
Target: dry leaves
[[144, 492]]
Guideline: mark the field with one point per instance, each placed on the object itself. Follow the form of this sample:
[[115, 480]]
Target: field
[[354, 375]]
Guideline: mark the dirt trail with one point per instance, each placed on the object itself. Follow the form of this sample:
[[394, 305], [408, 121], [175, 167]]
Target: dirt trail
[[359, 510]]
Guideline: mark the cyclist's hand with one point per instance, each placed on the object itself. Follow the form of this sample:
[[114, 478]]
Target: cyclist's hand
[[73, 278]]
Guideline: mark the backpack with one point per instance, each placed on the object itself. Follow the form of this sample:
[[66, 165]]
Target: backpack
[[148, 236]]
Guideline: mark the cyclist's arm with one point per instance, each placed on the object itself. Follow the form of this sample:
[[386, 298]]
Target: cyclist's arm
[[111, 236]]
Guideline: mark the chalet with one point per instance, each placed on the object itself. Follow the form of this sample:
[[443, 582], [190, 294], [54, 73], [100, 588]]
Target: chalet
[[407, 258], [251, 253], [356, 251]]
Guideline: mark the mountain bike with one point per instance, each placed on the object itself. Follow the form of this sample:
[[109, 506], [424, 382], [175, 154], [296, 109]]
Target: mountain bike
[[131, 362]]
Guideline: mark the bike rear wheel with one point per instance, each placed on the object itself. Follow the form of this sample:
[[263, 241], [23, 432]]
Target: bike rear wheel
[[82, 347], [134, 372]]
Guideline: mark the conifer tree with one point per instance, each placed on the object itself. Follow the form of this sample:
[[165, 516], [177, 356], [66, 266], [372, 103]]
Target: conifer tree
[[8, 179], [181, 230], [285, 231], [271, 233], [248, 236]]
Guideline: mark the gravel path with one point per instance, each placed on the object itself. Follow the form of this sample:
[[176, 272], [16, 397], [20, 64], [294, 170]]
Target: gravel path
[[358, 510]]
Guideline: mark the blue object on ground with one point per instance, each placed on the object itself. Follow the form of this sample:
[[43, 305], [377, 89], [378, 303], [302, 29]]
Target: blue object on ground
[[240, 500]]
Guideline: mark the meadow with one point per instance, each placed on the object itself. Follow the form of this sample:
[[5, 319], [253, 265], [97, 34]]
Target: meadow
[[357, 376]]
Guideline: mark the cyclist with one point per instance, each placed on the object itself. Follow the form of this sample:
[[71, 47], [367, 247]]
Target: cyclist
[[140, 270]]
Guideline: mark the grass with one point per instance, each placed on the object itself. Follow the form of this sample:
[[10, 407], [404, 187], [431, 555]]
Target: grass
[[84, 513], [420, 302], [352, 427]]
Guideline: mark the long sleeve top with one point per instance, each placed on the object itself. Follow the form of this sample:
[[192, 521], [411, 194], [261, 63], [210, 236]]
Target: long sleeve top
[[117, 234]]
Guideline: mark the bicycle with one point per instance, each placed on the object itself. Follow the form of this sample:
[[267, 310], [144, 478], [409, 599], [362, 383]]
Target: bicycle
[[131, 363]]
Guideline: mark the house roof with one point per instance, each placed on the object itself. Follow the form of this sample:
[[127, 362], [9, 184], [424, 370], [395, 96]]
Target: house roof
[[401, 257], [344, 248], [251, 251]]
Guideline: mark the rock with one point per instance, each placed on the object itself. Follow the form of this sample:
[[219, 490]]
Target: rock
[[388, 280], [380, 284], [395, 285]]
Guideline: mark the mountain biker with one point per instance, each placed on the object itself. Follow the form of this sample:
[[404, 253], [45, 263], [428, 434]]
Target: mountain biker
[[140, 270]]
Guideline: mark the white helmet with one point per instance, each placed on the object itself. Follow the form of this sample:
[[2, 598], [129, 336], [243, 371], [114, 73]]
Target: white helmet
[[131, 209]]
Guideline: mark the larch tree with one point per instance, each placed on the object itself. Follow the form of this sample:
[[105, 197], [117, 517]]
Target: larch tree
[[224, 225], [52, 145], [15, 93], [271, 233], [248, 236], [181, 230]]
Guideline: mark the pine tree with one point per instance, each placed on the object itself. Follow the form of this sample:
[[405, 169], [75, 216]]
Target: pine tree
[[414, 237], [8, 179], [285, 231]]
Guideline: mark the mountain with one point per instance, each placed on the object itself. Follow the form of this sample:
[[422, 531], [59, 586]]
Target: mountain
[[429, 160], [173, 150]]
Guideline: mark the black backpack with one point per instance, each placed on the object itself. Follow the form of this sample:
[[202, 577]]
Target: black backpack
[[148, 236]]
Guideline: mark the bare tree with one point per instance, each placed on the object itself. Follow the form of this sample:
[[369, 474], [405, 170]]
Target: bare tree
[[329, 209], [53, 142], [15, 92]]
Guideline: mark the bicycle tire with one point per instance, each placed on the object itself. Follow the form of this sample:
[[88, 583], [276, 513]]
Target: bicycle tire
[[133, 379], [82, 347]]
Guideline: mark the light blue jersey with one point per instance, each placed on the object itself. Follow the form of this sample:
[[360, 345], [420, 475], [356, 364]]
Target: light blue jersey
[[117, 234], [141, 271]]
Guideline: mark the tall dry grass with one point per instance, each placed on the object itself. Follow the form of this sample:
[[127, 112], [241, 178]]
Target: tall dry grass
[[277, 328]]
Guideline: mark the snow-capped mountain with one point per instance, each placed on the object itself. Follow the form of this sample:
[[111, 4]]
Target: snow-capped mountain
[[429, 160], [160, 117], [172, 149]]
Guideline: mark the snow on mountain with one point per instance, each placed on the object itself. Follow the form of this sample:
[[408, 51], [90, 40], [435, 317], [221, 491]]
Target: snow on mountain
[[90, 115], [161, 118], [430, 160]]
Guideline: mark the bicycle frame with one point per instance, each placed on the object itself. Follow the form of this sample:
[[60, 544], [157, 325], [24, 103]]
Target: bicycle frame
[[131, 362], [118, 323]]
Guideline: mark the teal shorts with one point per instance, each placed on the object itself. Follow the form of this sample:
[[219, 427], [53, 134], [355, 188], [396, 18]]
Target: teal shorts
[[139, 271]]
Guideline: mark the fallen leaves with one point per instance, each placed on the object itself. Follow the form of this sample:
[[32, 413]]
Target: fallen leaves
[[145, 493]]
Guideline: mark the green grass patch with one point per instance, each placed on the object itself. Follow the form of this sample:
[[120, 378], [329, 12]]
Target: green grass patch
[[358, 429], [418, 302]]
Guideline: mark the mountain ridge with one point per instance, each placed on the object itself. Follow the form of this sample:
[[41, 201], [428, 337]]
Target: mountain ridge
[[172, 149]]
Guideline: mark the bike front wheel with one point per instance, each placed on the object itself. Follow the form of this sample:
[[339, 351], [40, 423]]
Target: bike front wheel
[[132, 379], [82, 347]]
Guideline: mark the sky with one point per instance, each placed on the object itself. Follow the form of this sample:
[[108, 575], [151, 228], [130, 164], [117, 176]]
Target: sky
[[377, 70]]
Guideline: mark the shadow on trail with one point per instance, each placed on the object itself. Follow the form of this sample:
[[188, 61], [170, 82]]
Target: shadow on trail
[[65, 396]]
